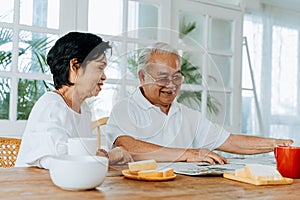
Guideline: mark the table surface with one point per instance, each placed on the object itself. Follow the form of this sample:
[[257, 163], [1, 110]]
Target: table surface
[[34, 183]]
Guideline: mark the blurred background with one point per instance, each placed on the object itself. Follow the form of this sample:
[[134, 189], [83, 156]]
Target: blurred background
[[240, 57]]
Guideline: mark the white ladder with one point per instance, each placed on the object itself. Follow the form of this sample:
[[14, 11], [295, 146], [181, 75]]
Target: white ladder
[[253, 89]]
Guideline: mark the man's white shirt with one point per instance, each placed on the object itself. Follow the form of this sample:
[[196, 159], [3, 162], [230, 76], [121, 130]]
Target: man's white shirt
[[182, 127]]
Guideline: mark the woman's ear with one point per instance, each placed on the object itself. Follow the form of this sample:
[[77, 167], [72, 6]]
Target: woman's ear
[[74, 64], [73, 71]]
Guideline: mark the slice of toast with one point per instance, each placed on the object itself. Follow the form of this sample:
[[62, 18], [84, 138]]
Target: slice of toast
[[259, 172], [134, 167], [150, 173], [157, 173]]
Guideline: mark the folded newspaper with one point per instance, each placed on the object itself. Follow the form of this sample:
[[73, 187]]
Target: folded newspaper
[[204, 169]]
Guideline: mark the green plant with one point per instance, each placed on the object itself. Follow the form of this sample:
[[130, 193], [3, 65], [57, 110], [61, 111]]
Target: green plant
[[28, 90], [4, 98], [185, 28], [193, 98], [193, 75], [132, 62]]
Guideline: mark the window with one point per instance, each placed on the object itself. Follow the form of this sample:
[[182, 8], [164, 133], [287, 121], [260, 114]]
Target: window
[[284, 67], [213, 48], [215, 92], [129, 29], [274, 41], [26, 31], [130, 26], [24, 79]]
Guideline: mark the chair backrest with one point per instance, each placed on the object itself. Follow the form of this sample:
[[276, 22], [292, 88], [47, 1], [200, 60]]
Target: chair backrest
[[97, 124], [9, 149]]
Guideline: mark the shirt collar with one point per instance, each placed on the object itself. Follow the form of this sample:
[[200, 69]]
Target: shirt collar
[[140, 100]]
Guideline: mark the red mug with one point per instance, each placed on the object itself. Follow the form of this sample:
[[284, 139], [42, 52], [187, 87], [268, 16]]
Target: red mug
[[288, 161]]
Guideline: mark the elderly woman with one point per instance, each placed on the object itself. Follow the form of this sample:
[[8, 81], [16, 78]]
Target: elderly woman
[[77, 62]]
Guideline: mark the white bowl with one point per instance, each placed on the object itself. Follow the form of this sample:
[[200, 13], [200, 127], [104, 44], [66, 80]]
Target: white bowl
[[78, 172]]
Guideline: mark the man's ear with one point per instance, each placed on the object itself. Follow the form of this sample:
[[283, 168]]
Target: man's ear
[[141, 76]]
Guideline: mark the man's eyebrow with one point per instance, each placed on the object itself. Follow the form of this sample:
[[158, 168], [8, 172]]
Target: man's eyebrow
[[162, 73], [166, 73]]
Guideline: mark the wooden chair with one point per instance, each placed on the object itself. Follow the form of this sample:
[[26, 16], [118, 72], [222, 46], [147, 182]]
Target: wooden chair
[[97, 124], [9, 149]]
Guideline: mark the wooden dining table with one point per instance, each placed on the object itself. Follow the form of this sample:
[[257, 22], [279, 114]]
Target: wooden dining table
[[35, 183]]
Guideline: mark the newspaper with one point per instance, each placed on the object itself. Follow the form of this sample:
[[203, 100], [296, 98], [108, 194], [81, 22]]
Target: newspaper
[[205, 169]]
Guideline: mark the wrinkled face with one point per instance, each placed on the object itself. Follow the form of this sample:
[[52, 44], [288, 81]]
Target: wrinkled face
[[90, 79], [161, 67]]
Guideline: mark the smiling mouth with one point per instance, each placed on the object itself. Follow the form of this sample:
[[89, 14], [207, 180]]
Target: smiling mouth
[[168, 92], [99, 85]]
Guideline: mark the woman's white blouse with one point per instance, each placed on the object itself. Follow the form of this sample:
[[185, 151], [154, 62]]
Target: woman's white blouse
[[50, 124]]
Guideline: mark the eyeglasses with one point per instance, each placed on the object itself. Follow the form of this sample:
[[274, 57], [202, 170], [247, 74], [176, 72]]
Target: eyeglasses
[[177, 79]]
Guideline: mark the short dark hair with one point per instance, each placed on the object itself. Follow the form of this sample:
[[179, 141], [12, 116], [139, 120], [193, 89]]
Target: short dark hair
[[82, 46]]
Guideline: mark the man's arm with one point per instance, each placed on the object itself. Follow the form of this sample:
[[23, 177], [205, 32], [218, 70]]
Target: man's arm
[[141, 150], [243, 144]]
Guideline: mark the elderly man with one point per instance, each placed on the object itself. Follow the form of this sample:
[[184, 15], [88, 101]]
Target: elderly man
[[151, 125]]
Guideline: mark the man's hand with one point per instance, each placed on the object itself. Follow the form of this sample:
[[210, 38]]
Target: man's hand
[[282, 142], [204, 155]]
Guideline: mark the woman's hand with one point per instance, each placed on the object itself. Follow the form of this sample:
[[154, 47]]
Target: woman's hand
[[204, 155], [119, 155]]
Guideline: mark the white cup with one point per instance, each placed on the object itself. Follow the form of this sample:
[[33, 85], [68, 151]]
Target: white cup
[[82, 146]]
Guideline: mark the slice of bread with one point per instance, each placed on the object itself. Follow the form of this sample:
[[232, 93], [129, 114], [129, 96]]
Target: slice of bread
[[157, 173], [240, 173], [168, 172], [142, 165], [262, 172], [150, 173], [148, 168], [259, 172]]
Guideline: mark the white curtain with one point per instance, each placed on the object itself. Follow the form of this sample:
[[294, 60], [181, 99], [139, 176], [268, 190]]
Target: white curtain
[[273, 36]]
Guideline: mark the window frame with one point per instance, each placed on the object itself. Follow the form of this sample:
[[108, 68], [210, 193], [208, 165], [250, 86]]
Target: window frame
[[74, 17], [234, 13], [13, 127]]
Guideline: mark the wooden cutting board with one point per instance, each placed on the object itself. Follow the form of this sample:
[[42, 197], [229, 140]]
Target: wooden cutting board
[[230, 175]]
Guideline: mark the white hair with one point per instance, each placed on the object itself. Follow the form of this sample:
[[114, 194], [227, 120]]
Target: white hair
[[160, 48]]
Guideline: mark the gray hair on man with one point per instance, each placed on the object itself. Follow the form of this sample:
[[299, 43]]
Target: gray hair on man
[[160, 48]]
